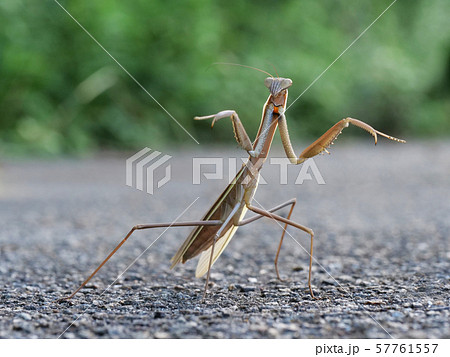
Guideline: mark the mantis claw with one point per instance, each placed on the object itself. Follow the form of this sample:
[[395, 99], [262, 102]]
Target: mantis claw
[[238, 129], [321, 145]]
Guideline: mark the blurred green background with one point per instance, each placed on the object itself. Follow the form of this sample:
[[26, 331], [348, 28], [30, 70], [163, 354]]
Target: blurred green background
[[60, 93]]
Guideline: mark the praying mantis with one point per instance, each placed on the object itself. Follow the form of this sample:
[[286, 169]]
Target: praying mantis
[[215, 230]]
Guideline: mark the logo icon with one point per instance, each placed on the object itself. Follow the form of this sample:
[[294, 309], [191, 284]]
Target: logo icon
[[144, 166]]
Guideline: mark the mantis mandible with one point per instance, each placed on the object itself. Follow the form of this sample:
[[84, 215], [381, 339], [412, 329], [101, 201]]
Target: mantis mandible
[[214, 231]]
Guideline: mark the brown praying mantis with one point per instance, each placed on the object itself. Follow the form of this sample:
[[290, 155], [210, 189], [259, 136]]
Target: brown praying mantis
[[214, 231]]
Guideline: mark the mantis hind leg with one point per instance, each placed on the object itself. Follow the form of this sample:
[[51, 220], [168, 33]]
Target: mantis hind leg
[[135, 228], [218, 234], [291, 203], [286, 221], [281, 239]]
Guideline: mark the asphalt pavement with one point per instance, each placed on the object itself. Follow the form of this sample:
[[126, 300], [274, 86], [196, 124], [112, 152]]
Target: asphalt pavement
[[382, 253]]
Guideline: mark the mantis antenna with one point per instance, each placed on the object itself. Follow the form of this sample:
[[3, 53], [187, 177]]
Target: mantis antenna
[[273, 66], [243, 65]]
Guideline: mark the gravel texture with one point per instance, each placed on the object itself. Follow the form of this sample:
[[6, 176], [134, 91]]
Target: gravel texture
[[382, 251]]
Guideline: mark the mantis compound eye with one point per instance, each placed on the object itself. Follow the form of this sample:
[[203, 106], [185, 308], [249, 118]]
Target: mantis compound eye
[[268, 82], [285, 83]]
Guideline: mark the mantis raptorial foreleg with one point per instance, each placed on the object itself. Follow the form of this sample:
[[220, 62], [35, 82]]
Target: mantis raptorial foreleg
[[321, 144], [239, 131]]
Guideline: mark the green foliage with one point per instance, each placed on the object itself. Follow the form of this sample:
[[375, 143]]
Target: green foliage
[[61, 93]]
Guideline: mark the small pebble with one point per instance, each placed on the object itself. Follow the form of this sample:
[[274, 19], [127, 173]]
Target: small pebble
[[25, 316], [162, 335]]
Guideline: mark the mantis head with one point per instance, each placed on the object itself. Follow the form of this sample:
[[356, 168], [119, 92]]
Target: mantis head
[[277, 85]]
